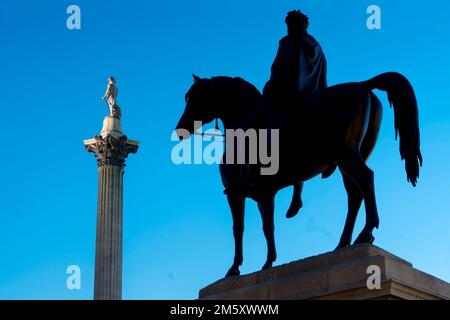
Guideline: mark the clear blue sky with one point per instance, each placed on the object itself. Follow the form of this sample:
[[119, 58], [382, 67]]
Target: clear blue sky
[[177, 225]]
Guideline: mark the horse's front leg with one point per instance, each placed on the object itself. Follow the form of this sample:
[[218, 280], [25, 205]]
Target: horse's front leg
[[237, 206], [296, 202], [266, 208]]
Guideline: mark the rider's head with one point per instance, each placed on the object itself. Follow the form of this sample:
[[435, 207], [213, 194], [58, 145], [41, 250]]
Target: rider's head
[[111, 79], [297, 22]]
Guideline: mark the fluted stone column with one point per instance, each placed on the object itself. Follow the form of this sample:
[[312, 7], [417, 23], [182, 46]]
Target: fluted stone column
[[111, 149]]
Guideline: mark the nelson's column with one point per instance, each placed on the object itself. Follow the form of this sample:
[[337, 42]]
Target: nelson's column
[[111, 148]]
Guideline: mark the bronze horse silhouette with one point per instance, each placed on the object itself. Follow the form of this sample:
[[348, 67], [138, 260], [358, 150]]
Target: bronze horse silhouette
[[336, 127]]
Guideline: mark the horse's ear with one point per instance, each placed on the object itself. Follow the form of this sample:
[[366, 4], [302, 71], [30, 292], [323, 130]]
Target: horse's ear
[[196, 78]]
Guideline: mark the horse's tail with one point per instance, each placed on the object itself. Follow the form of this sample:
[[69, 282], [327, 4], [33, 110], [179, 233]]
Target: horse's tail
[[402, 97]]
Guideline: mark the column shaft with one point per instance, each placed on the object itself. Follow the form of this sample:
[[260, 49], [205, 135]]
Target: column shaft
[[108, 251]]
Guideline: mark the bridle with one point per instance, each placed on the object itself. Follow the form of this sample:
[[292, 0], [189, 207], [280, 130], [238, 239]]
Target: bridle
[[211, 134]]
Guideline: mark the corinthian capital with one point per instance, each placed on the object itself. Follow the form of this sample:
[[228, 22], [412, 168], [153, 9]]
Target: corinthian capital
[[110, 150]]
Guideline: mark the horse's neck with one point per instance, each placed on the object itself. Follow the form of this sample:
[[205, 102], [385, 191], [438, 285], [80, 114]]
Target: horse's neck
[[232, 122], [237, 104], [250, 114]]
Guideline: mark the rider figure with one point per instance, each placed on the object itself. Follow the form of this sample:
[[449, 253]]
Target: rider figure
[[299, 70], [300, 66]]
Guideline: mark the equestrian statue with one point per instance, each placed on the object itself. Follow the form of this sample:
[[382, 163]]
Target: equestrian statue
[[321, 129]]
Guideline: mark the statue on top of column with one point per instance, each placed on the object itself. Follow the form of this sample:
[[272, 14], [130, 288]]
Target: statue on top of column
[[111, 98]]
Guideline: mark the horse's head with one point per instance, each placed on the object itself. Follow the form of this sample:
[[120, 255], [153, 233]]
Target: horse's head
[[199, 103]]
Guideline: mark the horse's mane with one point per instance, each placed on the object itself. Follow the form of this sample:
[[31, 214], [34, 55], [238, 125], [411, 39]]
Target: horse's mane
[[244, 95], [237, 82]]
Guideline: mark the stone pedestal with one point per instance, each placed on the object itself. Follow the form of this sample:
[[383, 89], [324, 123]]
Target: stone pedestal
[[342, 274], [111, 149]]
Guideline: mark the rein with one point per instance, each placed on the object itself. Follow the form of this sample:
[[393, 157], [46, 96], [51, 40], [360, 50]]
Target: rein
[[211, 134]]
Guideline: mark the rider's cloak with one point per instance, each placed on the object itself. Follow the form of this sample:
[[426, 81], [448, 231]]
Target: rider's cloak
[[299, 67]]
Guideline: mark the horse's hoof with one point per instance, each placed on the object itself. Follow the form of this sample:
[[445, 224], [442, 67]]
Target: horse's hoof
[[294, 209], [341, 245], [233, 272], [365, 238], [267, 265]]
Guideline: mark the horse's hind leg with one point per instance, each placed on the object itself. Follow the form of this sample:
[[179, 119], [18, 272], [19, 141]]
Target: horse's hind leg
[[266, 208], [237, 206], [355, 167], [355, 198]]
